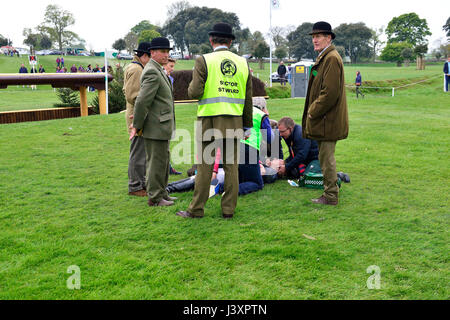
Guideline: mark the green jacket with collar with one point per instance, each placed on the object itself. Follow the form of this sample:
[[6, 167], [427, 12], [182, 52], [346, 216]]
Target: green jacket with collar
[[154, 110], [325, 116]]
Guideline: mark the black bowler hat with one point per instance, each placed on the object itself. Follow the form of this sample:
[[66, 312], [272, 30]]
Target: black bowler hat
[[323, 27], [223, 30], [144, 47], [160, 43]]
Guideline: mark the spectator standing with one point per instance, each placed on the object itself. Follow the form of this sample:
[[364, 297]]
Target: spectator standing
[[23, 69], [58, 62], [154, 115], [131, 87], [447, 73], [282, 73], [62, 62], [325, 117], [358, 83]]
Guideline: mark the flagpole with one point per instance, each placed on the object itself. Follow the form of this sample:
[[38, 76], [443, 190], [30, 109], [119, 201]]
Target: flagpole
[[270, 36]]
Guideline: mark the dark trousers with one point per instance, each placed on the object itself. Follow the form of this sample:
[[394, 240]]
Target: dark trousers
[[447, 80], [136, 165], [282, 79], [250, 179], [205, 167], [359, 92], [158, 158]]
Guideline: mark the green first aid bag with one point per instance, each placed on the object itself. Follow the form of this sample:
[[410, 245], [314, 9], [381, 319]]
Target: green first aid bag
[[313, 177]]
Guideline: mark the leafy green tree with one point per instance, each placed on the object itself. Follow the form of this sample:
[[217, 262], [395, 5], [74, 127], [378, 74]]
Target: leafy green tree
[[300, 42], [145, 25], [3, 41], [32, 39], [195, 49], [407, 55], [205, 48], [260, 50], [119, 45], [421, 50], [408, 28], [45, 42], [393, 52], [241, 39], [341, 51], [148, 35], [55, 25], [355, 38], [437, 54], [281, 52], [191, 26]]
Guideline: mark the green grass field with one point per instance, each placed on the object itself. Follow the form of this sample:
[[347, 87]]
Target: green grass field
[[18, 98], [64, 202]]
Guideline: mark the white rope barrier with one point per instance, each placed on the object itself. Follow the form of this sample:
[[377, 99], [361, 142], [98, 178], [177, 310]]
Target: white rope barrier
[[394, 88]]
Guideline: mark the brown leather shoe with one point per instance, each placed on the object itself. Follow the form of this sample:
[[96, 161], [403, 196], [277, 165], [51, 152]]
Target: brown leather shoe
[[325, 201], [162, 203], [228, 216], [185, 214], [140, 193]]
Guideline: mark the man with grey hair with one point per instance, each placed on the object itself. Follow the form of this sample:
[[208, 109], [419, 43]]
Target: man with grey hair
[[325, 117]]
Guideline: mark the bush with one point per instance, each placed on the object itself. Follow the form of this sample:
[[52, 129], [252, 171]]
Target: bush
[[116, 97], [279, 92], [68, 98]]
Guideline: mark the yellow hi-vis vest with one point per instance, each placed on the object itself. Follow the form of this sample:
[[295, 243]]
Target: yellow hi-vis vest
[[225, 87], [256, 135]]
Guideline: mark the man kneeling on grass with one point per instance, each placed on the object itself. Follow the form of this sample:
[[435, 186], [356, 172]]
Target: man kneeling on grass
[[301, 151]]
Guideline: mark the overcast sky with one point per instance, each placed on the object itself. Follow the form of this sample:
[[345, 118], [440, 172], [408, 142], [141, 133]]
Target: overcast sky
[[101, 22]]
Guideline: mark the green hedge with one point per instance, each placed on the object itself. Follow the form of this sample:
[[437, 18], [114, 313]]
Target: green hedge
[[278, 92]]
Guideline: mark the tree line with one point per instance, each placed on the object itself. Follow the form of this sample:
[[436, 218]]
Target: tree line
[[188, 28]]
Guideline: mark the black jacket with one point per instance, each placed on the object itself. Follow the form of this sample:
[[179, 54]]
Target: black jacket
[[301, 151], [282, 70], [446, 68]]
